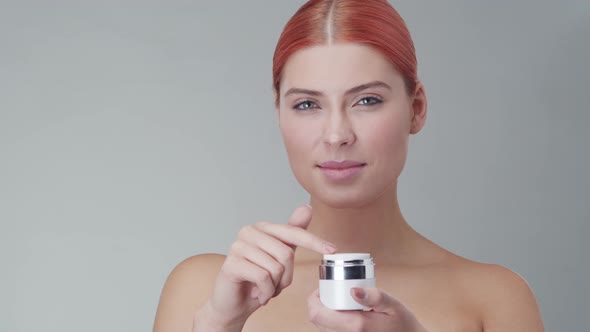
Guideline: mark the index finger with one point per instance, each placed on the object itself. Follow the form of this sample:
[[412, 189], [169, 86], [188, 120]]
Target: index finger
[[296, 237]]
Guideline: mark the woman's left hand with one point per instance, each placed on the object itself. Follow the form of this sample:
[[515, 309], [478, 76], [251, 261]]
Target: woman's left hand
[[386, 314]]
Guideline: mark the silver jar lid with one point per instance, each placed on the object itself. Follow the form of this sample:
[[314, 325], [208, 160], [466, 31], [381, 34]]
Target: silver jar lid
[[347, 266]]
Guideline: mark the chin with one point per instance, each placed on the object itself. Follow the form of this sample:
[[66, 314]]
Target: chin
[[352, 195], [344, 204], [340, 198]]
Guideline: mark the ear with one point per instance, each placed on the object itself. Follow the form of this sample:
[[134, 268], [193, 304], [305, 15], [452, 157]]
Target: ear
[[419, 109]]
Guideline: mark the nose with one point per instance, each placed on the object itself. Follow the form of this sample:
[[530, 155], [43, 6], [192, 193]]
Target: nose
[[338, 130]]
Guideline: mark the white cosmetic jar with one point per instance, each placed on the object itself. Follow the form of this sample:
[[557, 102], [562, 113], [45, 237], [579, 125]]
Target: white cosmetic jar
[[339, 273]]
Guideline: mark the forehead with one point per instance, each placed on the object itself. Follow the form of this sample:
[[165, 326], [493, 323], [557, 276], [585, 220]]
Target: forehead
[[337, 67]]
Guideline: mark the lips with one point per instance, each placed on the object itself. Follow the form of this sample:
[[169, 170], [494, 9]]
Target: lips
[[333, 164], [341, 170]]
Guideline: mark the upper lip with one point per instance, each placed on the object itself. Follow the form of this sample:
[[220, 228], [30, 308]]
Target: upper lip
[[340, 164]]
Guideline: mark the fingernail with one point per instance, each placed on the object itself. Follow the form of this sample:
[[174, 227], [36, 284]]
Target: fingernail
[[359, 293], [329, 248], [308, 205]]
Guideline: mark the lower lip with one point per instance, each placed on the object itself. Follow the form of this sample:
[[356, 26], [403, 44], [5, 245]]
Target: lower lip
[[342, 173]]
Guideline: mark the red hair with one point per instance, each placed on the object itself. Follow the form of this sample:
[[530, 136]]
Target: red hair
[[372, 22]]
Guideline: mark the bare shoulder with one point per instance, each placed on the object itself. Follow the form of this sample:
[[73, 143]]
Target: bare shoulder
[[187, 288], [504, 298]]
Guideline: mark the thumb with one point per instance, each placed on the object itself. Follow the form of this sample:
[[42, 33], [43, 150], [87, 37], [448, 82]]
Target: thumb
[[301, 217], [376, 299]]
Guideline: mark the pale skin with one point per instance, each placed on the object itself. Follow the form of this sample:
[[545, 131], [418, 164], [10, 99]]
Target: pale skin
[[337, 102]]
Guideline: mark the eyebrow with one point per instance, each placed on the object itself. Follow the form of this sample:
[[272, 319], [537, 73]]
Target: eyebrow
[[348, 92]]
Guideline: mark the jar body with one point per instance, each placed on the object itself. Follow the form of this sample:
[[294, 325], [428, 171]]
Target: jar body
[[341, 272], [336, 294]]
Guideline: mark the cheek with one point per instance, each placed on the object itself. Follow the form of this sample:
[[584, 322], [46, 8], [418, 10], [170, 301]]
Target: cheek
[[388, 136], [298, 139], [388, 143]]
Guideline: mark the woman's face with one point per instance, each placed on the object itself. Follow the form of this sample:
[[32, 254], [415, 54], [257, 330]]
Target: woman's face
[[344, 102]]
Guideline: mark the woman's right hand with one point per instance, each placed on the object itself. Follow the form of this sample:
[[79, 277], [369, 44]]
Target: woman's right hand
[[258, 267]]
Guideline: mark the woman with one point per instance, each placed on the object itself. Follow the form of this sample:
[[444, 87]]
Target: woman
[[347, 99]]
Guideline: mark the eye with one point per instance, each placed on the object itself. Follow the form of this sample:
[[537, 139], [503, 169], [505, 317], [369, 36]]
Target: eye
[[369, 100], [305, 105]]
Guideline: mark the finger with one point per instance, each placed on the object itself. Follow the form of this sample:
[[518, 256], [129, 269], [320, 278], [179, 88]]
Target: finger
[[376, 299], [301, 217], [259, 257], [283, 253], [326, 318], [296, 237], [279, 251], [240, 269]]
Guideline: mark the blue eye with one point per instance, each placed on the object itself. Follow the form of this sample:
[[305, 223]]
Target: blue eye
[[367, 101], [304, 105]]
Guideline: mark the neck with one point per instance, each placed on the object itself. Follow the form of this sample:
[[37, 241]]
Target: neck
[[378, 228]]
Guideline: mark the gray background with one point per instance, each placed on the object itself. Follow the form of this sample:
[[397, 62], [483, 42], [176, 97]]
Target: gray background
[[135, 134]]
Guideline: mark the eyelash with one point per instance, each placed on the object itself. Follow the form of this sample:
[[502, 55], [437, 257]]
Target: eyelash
[[375, 101]]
